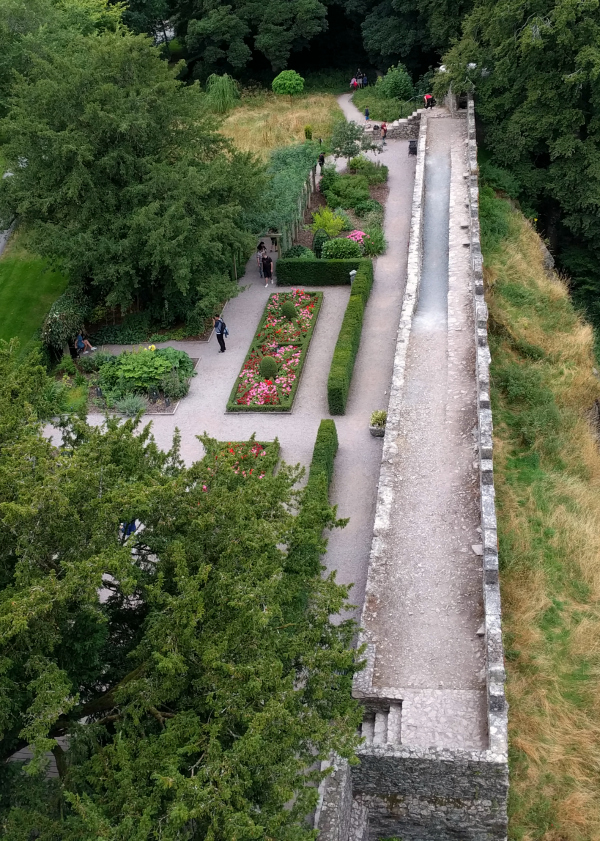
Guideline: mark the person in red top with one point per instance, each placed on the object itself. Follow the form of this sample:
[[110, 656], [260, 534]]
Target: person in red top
[[383, 131], [428, 100]]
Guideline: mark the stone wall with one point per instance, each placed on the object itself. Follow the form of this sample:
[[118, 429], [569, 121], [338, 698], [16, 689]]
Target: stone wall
[[407, 129], [431, 794]]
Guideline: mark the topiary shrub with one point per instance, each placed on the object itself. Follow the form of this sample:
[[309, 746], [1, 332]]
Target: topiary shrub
[[319, 239], [340, 249], [300, 252], [288, 310], [268, 367], [65, 319], [308, 132]]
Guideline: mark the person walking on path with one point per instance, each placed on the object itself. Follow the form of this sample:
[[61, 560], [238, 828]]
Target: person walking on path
[[220, 332], [260, 252], [267, 269], [321, 161], [367, 114]]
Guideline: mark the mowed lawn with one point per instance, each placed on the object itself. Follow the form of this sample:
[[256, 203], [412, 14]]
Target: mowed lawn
[[27, 291]]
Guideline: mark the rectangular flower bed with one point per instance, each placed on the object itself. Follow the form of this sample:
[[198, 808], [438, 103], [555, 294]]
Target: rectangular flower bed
[[287, 342]]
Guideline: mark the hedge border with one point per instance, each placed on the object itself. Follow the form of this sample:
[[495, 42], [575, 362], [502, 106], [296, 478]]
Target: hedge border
[[348, 342], [293, 271], [314, 515], [232, 406]]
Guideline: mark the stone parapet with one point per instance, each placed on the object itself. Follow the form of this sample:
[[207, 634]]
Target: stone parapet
[[407, 129]]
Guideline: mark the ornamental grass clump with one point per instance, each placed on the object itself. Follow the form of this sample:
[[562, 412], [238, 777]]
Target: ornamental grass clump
[[288, 310], [268, 367], [379, 418]]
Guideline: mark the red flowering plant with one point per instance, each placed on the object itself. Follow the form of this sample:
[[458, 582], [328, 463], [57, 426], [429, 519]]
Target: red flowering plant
[[242, 459], [287, 341]]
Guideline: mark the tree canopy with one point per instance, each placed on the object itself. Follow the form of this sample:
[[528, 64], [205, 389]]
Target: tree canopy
[[536, 81], [126, 185], [190, 670]]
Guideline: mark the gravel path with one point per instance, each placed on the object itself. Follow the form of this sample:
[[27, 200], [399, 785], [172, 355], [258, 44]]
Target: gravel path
[[356, 477], [427, 622]]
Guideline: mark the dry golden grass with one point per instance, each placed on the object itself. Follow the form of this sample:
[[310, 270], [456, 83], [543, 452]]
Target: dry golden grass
[[549, 524], [270, 121]]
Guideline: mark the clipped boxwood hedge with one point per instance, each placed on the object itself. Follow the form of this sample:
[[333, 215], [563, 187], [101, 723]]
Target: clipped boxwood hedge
[[304, 556], [346, 348], [296, 272]]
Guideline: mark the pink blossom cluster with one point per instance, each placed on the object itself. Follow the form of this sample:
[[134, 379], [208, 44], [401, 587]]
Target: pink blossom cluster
[[356, 236]]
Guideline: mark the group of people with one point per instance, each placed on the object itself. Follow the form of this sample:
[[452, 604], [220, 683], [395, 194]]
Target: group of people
[[264, 261], [359, 81]]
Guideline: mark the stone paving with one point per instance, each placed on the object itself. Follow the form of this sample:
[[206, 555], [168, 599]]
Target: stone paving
[[429, 612]]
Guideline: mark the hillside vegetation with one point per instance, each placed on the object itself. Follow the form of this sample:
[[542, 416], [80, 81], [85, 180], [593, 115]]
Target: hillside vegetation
[[548, 493]]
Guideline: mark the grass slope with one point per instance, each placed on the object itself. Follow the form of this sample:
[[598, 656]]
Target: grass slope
[[265, 122], [547, 469], [27, 291]]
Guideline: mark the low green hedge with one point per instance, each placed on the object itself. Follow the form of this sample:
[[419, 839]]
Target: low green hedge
[[326, 447], [296, 272], [315, 514], [346, 348]]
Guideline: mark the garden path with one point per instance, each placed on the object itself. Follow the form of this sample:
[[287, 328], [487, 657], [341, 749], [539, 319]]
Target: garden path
[[354, 488]]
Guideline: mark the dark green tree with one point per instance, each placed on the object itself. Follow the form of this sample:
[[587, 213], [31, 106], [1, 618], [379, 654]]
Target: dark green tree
[[535, 74], [126, 185], [227, 36], [192, 668], [349, 140]]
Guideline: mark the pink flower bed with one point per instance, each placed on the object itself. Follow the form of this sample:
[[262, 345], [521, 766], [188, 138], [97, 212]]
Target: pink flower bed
[[287, 342], [357, 236]]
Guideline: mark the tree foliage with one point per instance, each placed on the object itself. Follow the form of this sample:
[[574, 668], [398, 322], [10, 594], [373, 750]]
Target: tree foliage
[[222, 93], [536, 81], [192, 667], [349, 140], [288, 83], [125, 185]]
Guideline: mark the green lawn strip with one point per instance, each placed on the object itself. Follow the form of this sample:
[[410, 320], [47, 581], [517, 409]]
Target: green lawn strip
[[257, 349], [28, 288]]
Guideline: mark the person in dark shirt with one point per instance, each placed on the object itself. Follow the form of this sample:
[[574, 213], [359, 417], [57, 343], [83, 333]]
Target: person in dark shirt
[[267, 269], [220, 329]]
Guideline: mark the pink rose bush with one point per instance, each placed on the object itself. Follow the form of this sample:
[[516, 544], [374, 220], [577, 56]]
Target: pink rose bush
[[287, 342]]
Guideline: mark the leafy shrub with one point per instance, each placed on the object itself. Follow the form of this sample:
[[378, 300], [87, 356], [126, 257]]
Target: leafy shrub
[[375, 173], [499, 179], [80, 379], [348, 191], [299, 251], [268, 367], [321, 272], [346, 221], [131, 404], [93, 362], [374, 242], [66, 366], [288, 83], [143, 370], [288, 310], [308, 132], [326, 220], [65, 319], [173, 387], [341, 249], [329, 177], [396, 84], [378, 417], [319, 240], [346, 348], [367, 206], [134, 329]]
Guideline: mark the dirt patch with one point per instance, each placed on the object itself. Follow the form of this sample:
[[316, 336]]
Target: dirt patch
[[380, 193]]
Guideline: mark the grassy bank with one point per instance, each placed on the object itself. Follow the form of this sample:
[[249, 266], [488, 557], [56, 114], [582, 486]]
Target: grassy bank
[[27, 291], [548, 494], [264, 122]]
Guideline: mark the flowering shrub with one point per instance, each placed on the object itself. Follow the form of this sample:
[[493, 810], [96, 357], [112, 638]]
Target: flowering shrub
[[287, 342], [356, 236]]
